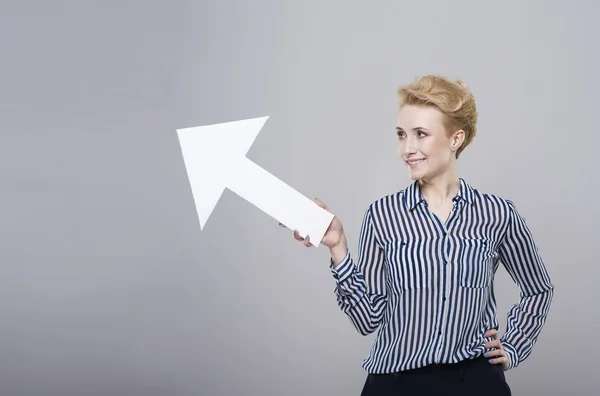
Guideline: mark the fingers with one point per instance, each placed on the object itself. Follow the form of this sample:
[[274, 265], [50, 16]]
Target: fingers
[[493, 344], [305, 241], [497, 357], [297, 236], [320, 203], [494, 353], [499, 360]]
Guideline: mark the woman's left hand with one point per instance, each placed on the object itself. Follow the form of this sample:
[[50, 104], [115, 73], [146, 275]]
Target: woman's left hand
[[498, 354]]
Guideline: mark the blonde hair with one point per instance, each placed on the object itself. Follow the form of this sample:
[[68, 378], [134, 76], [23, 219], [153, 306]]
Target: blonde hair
[[451, 97]]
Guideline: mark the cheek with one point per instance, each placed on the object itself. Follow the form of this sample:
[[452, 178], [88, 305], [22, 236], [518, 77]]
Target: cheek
[[429, 147], [436, 148]]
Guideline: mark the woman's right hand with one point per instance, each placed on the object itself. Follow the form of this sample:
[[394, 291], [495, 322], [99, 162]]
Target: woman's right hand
[[334, 236]]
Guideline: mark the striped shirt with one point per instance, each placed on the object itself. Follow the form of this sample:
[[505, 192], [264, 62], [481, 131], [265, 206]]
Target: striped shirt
[[427, 286]]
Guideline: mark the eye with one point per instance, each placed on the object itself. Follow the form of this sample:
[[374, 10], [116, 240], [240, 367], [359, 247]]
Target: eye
[[401, 134], [421, 134]]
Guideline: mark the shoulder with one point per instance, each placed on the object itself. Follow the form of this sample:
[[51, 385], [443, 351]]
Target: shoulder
[[492, 201], [383, 214], [393, 201], [387, 208]]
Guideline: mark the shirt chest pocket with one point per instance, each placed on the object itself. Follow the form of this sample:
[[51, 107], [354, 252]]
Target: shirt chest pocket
[[476, 259], [409, 262]]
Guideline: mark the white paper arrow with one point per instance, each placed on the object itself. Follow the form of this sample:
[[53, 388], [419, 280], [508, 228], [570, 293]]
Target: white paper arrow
[[215, 159]]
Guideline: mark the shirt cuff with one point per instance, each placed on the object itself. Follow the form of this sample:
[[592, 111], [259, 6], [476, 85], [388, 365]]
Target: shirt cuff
[[343, 270], [511, 354]]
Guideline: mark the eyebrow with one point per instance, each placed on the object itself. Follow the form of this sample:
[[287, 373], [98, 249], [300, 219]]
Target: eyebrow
[[398, 129]]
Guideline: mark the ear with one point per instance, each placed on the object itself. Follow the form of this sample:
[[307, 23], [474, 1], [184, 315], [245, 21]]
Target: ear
[[457, 139]]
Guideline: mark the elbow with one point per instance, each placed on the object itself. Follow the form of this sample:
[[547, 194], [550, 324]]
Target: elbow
[[549, 292], [546, 290], [373, 320], [369, 329]]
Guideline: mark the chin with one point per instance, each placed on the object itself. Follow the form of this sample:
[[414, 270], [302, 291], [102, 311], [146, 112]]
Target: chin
[[416, 174]]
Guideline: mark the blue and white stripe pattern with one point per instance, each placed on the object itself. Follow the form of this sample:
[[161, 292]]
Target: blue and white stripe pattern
[[427, 286]]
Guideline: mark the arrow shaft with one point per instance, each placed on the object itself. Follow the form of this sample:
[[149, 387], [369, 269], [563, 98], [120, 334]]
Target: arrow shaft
[[279, 200]]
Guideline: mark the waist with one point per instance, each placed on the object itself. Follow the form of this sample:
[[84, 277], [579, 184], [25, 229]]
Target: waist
[[464, 364]]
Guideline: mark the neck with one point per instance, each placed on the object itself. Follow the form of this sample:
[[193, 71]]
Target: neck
[[441, 188]]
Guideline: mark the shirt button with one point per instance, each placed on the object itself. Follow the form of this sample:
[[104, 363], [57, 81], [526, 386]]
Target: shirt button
[[440, 332], [336, 276], [444, 298]]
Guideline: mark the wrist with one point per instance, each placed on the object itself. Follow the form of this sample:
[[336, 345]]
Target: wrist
[[511, 354], [339, 250]]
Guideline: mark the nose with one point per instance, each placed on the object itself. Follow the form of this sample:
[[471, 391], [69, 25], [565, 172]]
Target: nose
[[408, 145]]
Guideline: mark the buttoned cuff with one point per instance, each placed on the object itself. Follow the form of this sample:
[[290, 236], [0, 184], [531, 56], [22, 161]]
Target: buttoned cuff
[[343, 270], [511, 354]]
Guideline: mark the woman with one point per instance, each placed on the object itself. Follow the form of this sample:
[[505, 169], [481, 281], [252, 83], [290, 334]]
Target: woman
[[427, 256]]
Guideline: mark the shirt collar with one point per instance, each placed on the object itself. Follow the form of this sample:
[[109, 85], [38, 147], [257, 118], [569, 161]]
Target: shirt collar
[[413, 196]]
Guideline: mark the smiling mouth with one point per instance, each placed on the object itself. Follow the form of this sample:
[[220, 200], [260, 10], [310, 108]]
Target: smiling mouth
[[415, 162]]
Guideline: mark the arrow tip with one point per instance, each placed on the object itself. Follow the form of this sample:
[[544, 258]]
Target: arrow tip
[[211, 154]]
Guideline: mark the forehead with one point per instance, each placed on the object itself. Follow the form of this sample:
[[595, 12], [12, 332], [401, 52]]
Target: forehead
[[428, 117]]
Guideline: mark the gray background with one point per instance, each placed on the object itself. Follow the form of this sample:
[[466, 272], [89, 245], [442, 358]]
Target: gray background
[[108, 287]]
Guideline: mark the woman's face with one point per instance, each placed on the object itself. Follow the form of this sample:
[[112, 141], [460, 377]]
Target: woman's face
[[427, 149]]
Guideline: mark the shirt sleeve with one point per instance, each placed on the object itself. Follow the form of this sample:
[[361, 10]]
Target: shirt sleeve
[[364, 296], [520, 256]]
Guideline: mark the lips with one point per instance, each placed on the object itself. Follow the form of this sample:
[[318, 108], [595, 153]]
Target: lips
[[413, 162]]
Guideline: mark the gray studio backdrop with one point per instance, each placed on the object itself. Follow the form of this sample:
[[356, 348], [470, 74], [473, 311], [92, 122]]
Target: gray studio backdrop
[[108, 287]]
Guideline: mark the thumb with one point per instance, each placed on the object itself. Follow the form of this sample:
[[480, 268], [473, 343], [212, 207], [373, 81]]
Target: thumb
[[321, 204]]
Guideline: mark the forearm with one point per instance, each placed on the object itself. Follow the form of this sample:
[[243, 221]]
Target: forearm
[[364, 309], [360, 287], [522, 260], [366, 314], [524, 325], [338, 253]]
